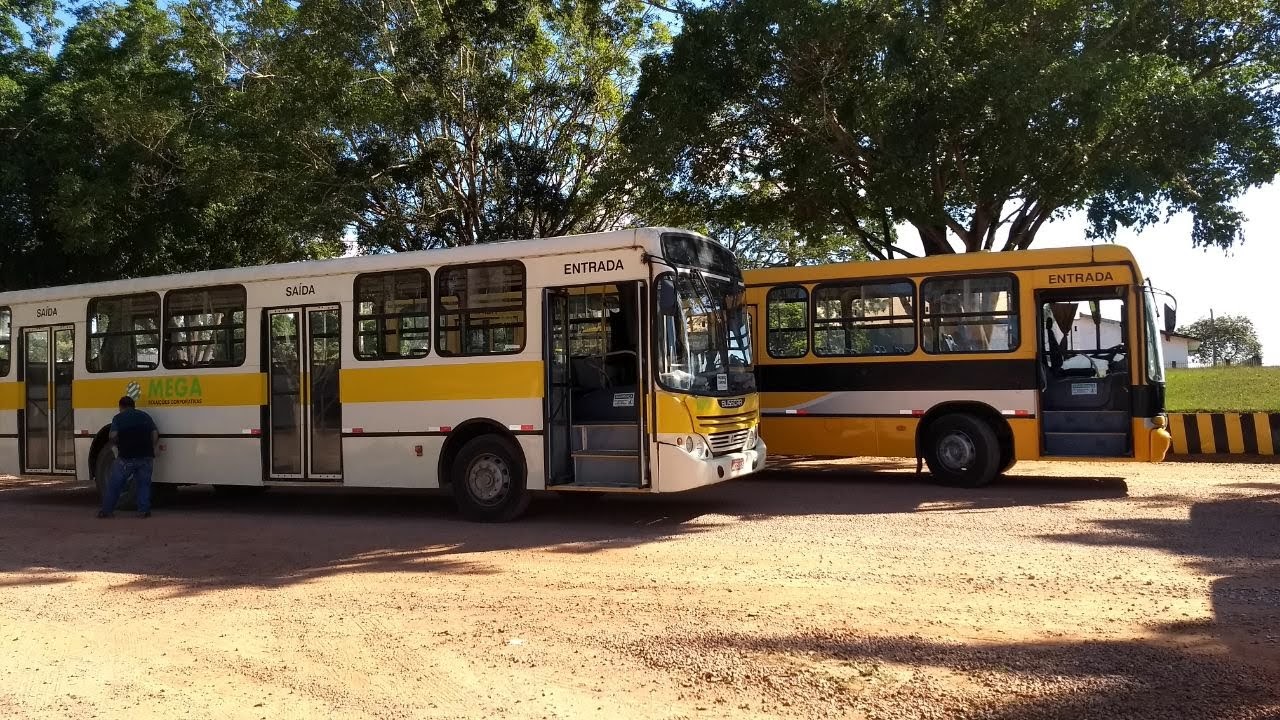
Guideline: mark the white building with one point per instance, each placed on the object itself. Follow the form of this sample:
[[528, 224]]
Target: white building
[[1177, 347]]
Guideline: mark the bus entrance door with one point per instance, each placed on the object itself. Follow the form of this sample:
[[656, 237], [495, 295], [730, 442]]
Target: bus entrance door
[[1085, 374], [48, 425], [304, 435], [595, 386]]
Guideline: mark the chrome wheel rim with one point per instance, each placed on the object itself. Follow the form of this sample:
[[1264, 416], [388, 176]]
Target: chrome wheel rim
[[488, 479], [957, 451]]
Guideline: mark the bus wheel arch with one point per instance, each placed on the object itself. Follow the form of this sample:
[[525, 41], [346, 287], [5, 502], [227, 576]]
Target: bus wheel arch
[[482, 463], [977, 429]]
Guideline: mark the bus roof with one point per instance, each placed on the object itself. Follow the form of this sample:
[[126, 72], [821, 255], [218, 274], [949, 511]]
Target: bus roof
[[485, 252], [959, 262]]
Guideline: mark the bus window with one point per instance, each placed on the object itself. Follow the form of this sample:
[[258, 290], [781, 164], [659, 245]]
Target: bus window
[[877, 318], [787, 321], [393, 315], [124, 333], [204, 327], [971, 314], [480, 309], [6, 337]]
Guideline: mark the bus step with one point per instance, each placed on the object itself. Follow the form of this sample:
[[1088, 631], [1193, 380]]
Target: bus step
[[598, 468], [1087, 444], [606, 437], [606, 454], [1085, 421], [578, 487]]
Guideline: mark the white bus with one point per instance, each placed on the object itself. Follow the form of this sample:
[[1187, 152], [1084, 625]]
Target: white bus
[[608, 362]]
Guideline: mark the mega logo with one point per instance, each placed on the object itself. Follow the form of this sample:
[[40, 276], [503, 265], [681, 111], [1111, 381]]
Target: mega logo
[[168, 391]]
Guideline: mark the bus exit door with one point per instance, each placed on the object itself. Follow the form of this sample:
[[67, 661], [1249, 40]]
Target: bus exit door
[[47, 422], [304, 429]]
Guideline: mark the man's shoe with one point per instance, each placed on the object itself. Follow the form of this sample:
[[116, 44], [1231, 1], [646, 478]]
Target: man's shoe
[[146, 514], [104, 514]]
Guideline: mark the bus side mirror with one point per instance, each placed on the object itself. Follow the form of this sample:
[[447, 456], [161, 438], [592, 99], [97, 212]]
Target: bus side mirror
[[668, 305], [1170, 319]]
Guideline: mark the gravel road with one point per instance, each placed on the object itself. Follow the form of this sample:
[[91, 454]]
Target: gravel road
[[816, 590]]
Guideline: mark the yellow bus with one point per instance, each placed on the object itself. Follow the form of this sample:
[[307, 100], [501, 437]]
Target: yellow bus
[[609, 362], [965, 362]]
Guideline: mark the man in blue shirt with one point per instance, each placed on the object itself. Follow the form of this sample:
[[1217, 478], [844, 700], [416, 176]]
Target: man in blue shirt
[[136, 439]]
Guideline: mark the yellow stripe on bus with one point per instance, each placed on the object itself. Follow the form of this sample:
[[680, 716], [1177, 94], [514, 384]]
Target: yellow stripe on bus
[[12, 395], [472, 381], [195, 390]]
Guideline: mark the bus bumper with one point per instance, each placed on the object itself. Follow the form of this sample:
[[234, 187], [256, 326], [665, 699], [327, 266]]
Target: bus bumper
[[681, 471], [1161, 441]]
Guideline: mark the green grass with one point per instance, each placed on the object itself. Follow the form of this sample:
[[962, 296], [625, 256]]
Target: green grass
[[1223, 389]]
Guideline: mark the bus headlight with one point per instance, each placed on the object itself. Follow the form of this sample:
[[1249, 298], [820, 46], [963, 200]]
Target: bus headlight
[[696, 446], [751, 440]]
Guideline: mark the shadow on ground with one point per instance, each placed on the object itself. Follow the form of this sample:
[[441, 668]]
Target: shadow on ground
[[1235, 538], [201, 540], [884, 675]]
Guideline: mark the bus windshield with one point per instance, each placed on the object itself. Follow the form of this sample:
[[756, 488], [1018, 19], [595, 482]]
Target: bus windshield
[[1155, 349], [704, 343]]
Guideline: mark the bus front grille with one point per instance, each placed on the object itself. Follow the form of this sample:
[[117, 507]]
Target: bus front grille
[[727, 442]]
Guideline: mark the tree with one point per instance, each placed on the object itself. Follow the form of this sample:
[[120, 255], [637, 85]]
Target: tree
[[1228, 339], [976, 123], [458, 122], [119, 162]]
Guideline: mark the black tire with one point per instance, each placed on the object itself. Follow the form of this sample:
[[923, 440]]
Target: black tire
[[488, 480], [1007, 460], [102, 475], [161, 493], [962, 451]]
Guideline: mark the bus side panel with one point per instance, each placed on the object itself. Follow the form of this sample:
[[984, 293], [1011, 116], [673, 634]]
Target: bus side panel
[[830, 437], [380, 447], [391, 461], [1026, 438], [10, 400], [209, 461]]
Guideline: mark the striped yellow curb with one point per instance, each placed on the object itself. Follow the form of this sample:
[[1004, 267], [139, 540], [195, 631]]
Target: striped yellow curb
[[1225, 433]]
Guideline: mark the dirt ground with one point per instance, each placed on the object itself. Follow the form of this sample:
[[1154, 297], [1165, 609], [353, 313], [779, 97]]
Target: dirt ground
[[814, 590]]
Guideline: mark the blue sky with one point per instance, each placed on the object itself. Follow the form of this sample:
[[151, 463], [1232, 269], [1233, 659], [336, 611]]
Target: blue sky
[[1237, 282]]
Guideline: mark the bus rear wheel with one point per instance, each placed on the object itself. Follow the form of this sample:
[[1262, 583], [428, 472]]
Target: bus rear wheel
[[488, 480], [102, 475], [962, 451], [161, 493]]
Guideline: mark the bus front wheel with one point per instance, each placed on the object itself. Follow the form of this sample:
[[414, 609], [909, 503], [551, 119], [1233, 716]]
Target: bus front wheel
[[962, 451], [488, 480]]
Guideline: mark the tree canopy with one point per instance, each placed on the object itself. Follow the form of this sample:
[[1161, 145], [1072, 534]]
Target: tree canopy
[[140, 137], [973, 122]]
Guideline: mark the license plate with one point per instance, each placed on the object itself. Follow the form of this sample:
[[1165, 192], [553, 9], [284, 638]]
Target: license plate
[[735, 464]]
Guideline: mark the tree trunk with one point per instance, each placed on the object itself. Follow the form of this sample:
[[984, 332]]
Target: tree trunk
[[934, 239]]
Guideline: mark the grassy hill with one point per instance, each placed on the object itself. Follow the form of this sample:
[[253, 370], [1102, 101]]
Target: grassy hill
[[1224, 389]]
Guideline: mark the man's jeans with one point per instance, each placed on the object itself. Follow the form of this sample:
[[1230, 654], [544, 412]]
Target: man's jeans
[[123, 469]]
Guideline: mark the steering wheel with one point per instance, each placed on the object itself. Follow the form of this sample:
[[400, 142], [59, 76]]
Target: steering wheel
[[1109, 354]]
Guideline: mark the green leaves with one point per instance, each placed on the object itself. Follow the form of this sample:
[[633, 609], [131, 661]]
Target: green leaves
[[120, 160], [975, 122]]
